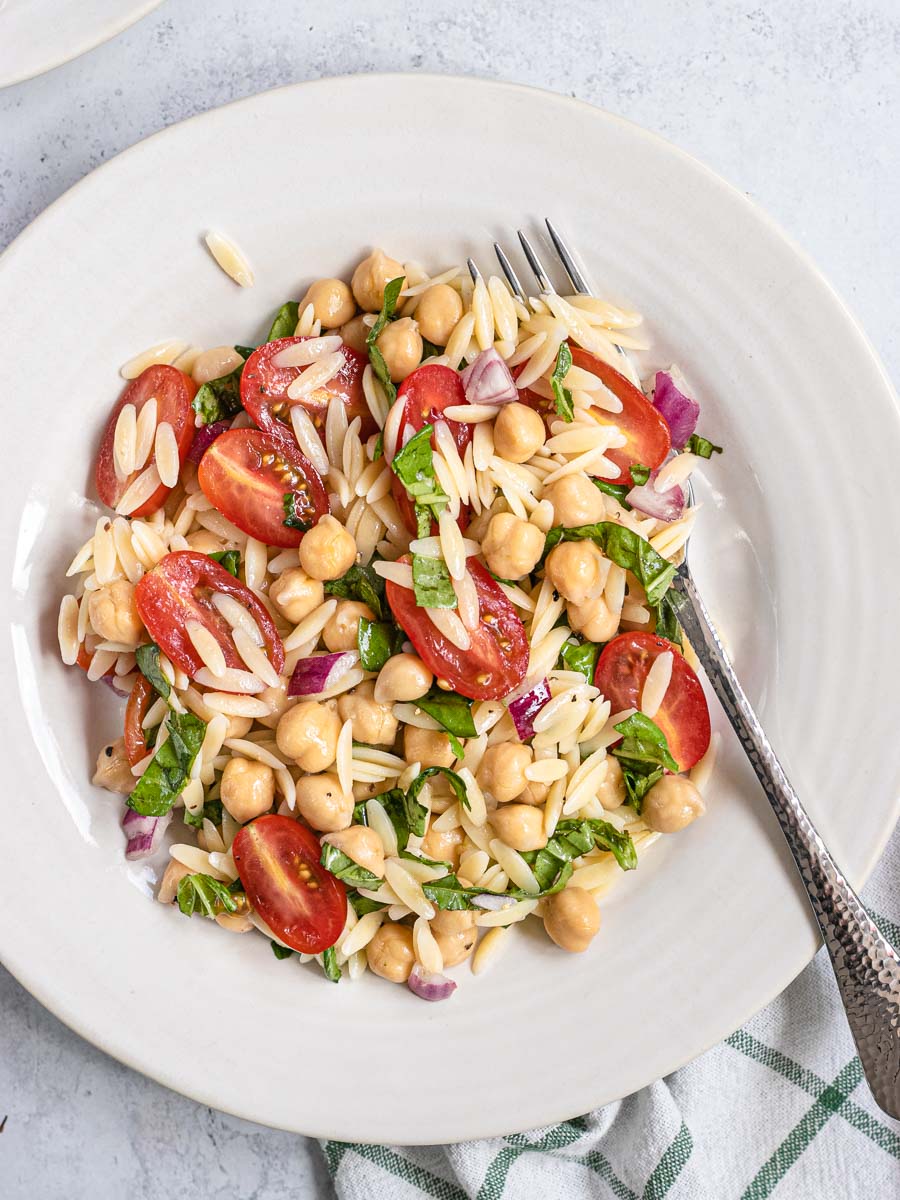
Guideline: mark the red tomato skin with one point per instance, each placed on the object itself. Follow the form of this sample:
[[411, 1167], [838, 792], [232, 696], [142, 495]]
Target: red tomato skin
[[684, 716], [174, 392], [264, 389], [427, 391], [233, 476], [307, 918], [497, 659], [139, 701], [167, 597], [648, 435]]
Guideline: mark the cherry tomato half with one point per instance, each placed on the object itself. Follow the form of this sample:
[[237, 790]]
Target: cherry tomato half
[[497, 658], [174, 392], [684, 714], [139, 701], [264, 388], [648, 435], [178, 590], [278, 862], [247, 473], [427, 392]]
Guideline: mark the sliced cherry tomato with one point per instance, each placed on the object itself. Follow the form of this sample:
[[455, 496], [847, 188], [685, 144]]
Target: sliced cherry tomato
[[497, 658], [174, 392], [646, 430], [427, 392], [142, 696], [303, 904], [84, 661], [247, 473], [684, 714], [178, 590], [264, 388]]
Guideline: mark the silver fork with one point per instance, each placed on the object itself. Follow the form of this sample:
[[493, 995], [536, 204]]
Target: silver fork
[[865, 965]]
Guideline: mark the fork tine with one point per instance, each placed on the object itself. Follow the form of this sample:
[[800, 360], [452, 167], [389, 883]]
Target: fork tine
[[511, 276], [578, 281], [473, 269], [536, 265]]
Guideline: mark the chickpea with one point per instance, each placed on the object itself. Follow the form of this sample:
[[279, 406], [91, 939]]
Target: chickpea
[[332, 302], [403, 677], [438, 312], [354, 334], [213, 364], [361, 844], [611, 792], [363, 790], [455, 935], [113, 612], [520, 826], [328, 551], [502, 770], [295, 594], [322, 804], [172, 876], [341, 631], [390, 953], [576, 501], [571, 918], [278, 700], [518, 432], [671, 804], [238, 726], [512, 546], [248, 788], [373, 723], [114, 770], [577, 571], [401, 346], [593, 619], [308, 734], [371, 277], [204, 542], [444, 845], [429, 747], [234, 922], [534, 793]]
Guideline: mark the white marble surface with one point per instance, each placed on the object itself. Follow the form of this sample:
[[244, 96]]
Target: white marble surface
[[795, 103]]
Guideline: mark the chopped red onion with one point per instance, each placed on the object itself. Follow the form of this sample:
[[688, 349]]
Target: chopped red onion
[[525, 708], [318, 672], [488, 380], [429, 986], [664, 506], [204, 438], [678, 411], [144, 833], [110, 681]]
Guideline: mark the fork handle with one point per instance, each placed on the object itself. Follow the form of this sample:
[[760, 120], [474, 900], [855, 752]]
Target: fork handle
[[865, 965]]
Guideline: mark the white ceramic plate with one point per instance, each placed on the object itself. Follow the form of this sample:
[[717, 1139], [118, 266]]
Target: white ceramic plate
[[795, 552], [38, 35]]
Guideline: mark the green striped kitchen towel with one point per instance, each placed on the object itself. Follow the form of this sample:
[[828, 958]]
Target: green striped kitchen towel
[[779, 1109]]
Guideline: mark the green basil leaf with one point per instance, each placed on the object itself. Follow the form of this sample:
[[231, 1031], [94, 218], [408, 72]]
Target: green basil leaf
[[295, 509], [169, 770], [618, 490], [643, 754], [429, 862], [451, 711], [229, 559], [625, 548], [280, 951], [330, 965], [245, 351], [457, 784], [430, 350], [360, 583], [203, 894], [414, 467], [562, 397], [432, 583], [211, 811], [423, 521], [702, 447], [573, 838], [377, 641], [389, 303], [220, 398], [382, 374], [363, 905], [284, 322], [448, 893], [666, 618], [148, 664], [344, 868], [405, 813], [581, 657], [379, 448], [640, 474]]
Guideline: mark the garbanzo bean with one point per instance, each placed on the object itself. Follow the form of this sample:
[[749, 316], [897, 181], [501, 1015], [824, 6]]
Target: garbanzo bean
[[373, 723], [512, 546], [429, 747], [213, 364], [371, 277], [593, 619], [113, 612], [571, 918], [332, 302], [308, 734], [438, 312], [296, 594], [518, 432], [248, 788], [361, 844], [328, 551], [671, 804], [611, 791], [520, 826], [576, 570], [354, 334], [401, 347], [534, 793], [443, 845], [279, 702], [390, 953], [204, 542], [455, 935], [114, 770], [341, 631], [576, 501], [502, 770], [322, 804], [238, 726], [403, 677], [172, 876]]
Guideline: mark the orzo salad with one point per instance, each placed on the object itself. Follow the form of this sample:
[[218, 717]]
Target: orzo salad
[[388, 598]]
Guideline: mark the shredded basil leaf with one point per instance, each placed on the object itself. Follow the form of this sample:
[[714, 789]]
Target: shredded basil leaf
[[360, 583], [666, 619], [211, 811], [429, 862], [363, 905], [229, 559], [245, 351], [562, 397], [147, 658], [281, 952], [581, 657], [618, 490], [451, 711], [459, 787], [448, 893], [624, 547], [377, 641], [404, 812], [203, 894], [376, 358], [344, 868], [432, 583], [220, 398], [643, 754], [430, 350], [284, 322], [573, 838], [379, 448], [702, 447], [640, 474], [169, 770], [414, 467], [330, 965]]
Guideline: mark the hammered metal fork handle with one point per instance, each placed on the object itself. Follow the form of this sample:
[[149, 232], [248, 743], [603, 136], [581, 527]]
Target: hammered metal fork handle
[[865, 965]]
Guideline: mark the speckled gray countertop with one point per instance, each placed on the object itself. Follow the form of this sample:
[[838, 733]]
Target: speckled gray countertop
[[795, 103]]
